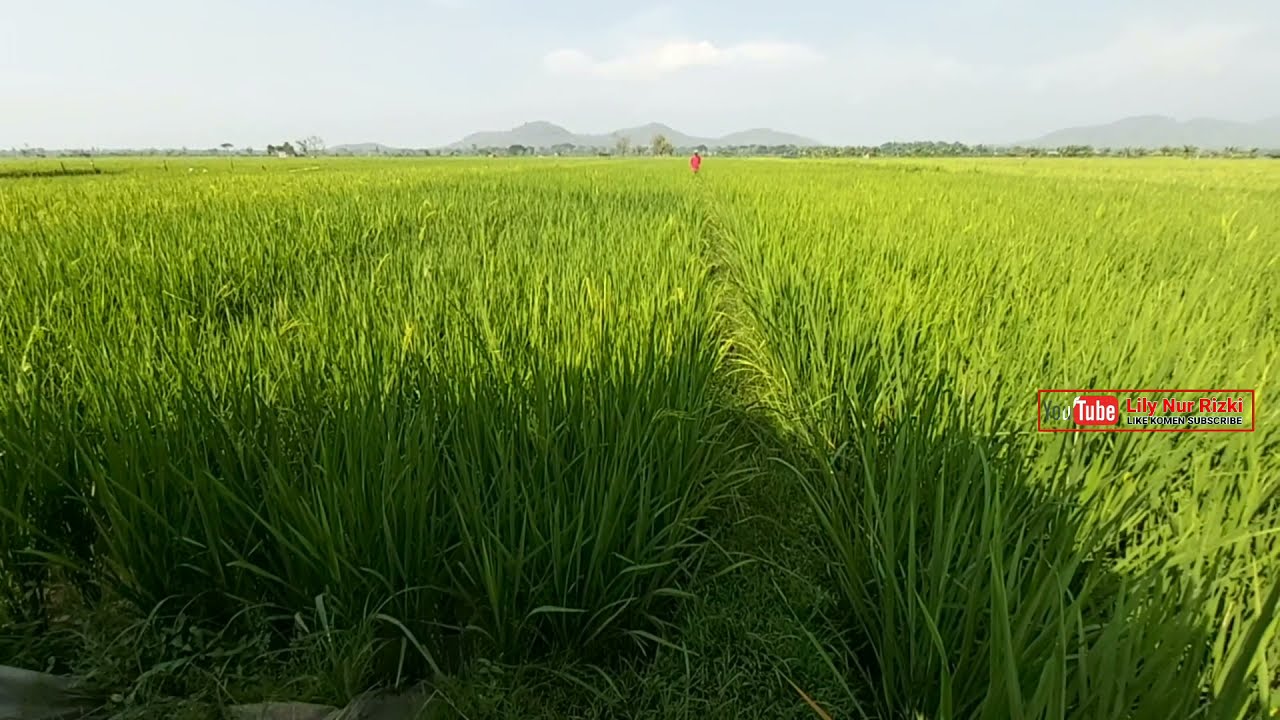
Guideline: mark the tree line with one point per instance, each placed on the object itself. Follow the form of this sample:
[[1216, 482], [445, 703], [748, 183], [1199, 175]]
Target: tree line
[[661, 146], [892, 149]]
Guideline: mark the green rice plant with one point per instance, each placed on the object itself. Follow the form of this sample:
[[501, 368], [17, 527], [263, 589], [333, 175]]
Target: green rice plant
[[484, 409], [903, 323], [489, 408]]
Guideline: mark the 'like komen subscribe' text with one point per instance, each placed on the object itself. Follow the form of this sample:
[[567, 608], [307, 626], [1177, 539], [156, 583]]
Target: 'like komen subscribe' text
[[1180, 420]]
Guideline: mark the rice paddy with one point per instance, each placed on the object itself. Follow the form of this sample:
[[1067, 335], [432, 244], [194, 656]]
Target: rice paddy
[[519, 411]]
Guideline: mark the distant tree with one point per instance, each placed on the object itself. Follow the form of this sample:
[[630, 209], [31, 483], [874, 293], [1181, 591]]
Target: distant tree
[[226, 146], [310, 145], [622, 144], [661, 145], [517, 149]]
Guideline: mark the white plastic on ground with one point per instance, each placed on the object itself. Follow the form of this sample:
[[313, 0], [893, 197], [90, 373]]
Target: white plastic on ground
[[27, 695]]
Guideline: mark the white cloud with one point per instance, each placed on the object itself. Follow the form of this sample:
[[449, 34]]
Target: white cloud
[[870, 87], [676, 55], [1196, 51]]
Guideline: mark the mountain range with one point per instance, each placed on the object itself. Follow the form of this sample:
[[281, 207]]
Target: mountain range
[[368, 148], [1156, 131], [1144, 131], [543, 134]]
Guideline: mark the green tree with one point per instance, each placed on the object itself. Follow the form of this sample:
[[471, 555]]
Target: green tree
[[662, 146]]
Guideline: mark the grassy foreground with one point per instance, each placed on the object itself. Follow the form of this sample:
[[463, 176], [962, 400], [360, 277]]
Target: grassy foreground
[[595, 438]]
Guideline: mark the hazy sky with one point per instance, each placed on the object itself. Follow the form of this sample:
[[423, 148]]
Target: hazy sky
[[76, 73]]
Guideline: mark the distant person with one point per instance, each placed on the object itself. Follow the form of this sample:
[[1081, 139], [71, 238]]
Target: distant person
[[695, 162]]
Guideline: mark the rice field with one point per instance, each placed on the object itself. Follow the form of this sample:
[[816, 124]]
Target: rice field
[[509, 410]]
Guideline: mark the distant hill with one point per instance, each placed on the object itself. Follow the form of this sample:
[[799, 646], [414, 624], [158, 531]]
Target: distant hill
[[644, 134], [368, 148], [543, 134], [533, 134], [765, 136], [1156, 131], [1271, 124]]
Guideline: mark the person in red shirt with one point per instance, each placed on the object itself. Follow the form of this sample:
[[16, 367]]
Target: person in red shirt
[[695, 162]]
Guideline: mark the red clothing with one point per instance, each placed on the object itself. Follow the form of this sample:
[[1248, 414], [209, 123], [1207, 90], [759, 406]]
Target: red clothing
[[695, 162]]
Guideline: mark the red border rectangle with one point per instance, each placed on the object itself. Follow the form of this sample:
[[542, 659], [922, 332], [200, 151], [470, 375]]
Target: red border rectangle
[[1253, 411]]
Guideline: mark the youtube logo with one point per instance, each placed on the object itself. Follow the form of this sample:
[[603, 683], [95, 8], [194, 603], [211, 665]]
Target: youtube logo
[[1095, 410]]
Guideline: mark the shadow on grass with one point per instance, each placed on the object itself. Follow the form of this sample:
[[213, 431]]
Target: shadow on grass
[[60, 172], [973, 581], [384, 530], [753, 639]]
